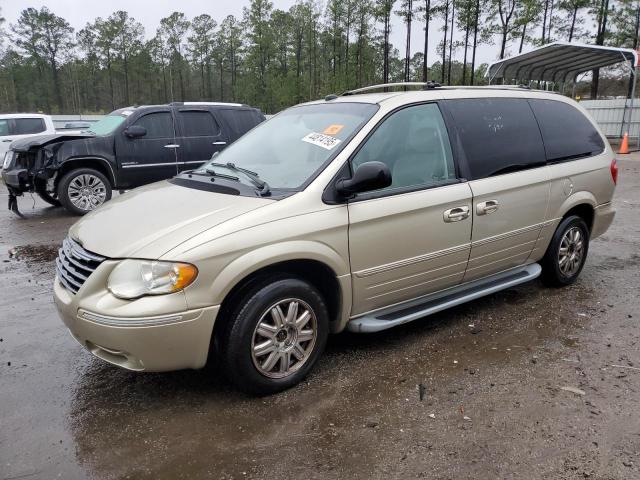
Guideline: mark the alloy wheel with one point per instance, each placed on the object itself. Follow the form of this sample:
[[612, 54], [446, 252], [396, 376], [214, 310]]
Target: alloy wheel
[[571, 252], [284, 338], [87, 192]]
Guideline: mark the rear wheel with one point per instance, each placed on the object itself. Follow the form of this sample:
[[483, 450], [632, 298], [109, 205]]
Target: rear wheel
[[83, 190], [567, 252], [275, 336], [50, 198]]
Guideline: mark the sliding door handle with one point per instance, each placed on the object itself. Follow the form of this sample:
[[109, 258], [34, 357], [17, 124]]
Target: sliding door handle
[[172, 145], [456, 214]]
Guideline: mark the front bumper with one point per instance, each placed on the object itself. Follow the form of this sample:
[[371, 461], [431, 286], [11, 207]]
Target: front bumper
[[17, 180], [157, 343]]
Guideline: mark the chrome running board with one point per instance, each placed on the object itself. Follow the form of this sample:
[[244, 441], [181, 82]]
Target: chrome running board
[[436, 302]]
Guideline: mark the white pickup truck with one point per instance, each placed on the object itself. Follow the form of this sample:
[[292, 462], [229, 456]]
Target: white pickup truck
[[14, 126]]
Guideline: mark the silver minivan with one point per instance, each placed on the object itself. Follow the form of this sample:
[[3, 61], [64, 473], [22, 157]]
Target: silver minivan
[[360, 212]]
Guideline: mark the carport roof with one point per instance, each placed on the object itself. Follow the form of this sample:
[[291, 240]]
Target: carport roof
[[558, 62]]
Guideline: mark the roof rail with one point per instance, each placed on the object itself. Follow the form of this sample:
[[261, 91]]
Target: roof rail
[[424, 85]]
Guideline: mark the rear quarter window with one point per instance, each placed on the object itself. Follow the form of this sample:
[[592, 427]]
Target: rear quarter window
[[240, 121], [566, 132], [498, 135]]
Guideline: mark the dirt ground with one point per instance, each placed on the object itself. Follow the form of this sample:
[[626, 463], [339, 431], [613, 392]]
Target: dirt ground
[[492, 373]]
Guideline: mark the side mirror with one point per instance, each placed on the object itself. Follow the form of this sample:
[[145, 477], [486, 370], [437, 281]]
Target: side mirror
[[369, 176], [135, 131]]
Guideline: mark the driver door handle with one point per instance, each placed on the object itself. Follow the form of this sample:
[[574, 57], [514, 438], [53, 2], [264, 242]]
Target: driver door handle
[[8, 140], [219, 143], [456, 214], [485, 208], [172, 145]]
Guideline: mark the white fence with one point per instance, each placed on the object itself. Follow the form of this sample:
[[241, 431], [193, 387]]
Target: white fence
[[609, 113]]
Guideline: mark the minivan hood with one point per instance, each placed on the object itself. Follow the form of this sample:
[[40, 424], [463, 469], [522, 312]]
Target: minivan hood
[[151, 220]]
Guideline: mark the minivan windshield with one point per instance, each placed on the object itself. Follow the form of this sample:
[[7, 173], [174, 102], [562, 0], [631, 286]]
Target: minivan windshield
[[107, 125], [290, 148]]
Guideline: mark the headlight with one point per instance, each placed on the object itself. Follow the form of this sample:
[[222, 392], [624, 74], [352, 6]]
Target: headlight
[[137, 278], [7, 159]]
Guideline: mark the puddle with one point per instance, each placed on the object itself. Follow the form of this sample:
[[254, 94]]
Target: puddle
[[33, 253]]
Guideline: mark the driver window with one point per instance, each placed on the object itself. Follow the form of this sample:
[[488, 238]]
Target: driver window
[[158, 125], [414, 144]]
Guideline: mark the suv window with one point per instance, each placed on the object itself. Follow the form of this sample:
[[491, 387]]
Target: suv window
[[414, 143], [26, 126], [158, 125], [240, 121], [198, 123], [566, 132], [21, 126], [499, 135]]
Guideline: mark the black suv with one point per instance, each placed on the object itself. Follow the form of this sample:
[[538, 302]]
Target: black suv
[[129, 147]]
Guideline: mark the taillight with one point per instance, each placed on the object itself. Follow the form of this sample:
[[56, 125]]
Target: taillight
[[614, 171]]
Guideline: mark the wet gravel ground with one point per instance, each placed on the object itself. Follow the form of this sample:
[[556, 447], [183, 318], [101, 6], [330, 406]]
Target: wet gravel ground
[[492, 375]]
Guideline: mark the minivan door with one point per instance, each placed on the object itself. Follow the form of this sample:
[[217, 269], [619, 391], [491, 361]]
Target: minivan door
[[151, 157], [508, 177], [200, 135], [412, 238]]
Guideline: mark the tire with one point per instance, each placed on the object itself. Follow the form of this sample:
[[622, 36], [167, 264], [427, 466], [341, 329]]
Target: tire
[[51, 199], [572, 234], [253, 323], [83, 190]]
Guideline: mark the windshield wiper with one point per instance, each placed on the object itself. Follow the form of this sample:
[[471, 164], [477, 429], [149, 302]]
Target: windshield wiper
[[213, 173], [253, 176]]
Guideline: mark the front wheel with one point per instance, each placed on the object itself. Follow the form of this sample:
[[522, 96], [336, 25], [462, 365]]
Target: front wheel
[[567, 253], [275, 336], [83, 190]]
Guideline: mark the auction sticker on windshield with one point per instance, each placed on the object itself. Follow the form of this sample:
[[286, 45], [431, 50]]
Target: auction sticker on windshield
[[325, 141]]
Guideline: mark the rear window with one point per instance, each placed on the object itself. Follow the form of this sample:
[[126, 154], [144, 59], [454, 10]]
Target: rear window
[[21, 126], [198, 123], [499, 135], [566, 132], [26, 126], [240, 121]]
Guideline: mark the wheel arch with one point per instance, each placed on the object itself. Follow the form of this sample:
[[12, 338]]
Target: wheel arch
[[322, 267], [582, 204], [97, 163]]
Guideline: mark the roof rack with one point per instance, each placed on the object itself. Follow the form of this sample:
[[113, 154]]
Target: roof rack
[[424, 85]]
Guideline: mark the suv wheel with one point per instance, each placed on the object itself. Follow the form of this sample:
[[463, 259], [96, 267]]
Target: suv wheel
[[567, 253], [50, 198], [275, 336], [83, 190]]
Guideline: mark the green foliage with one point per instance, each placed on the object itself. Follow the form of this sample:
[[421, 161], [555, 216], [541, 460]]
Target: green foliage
[[272, 58]]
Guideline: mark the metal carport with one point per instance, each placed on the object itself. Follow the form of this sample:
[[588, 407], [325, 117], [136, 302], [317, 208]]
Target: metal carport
[[559, 62]]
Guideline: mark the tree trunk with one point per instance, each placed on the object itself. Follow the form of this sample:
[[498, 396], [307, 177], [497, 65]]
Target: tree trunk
[[427, 16], [550, 22], [407, 55], [573, 23], [466, 47], [602, 29], [544, 21], [453, 14], [475, 41], [522, 37], [444, 41]]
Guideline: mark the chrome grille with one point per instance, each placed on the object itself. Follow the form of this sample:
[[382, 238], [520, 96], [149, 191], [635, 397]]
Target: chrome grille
[[74, 264]]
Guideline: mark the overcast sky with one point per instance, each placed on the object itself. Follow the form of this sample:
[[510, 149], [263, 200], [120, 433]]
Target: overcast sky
[[149, 13]]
